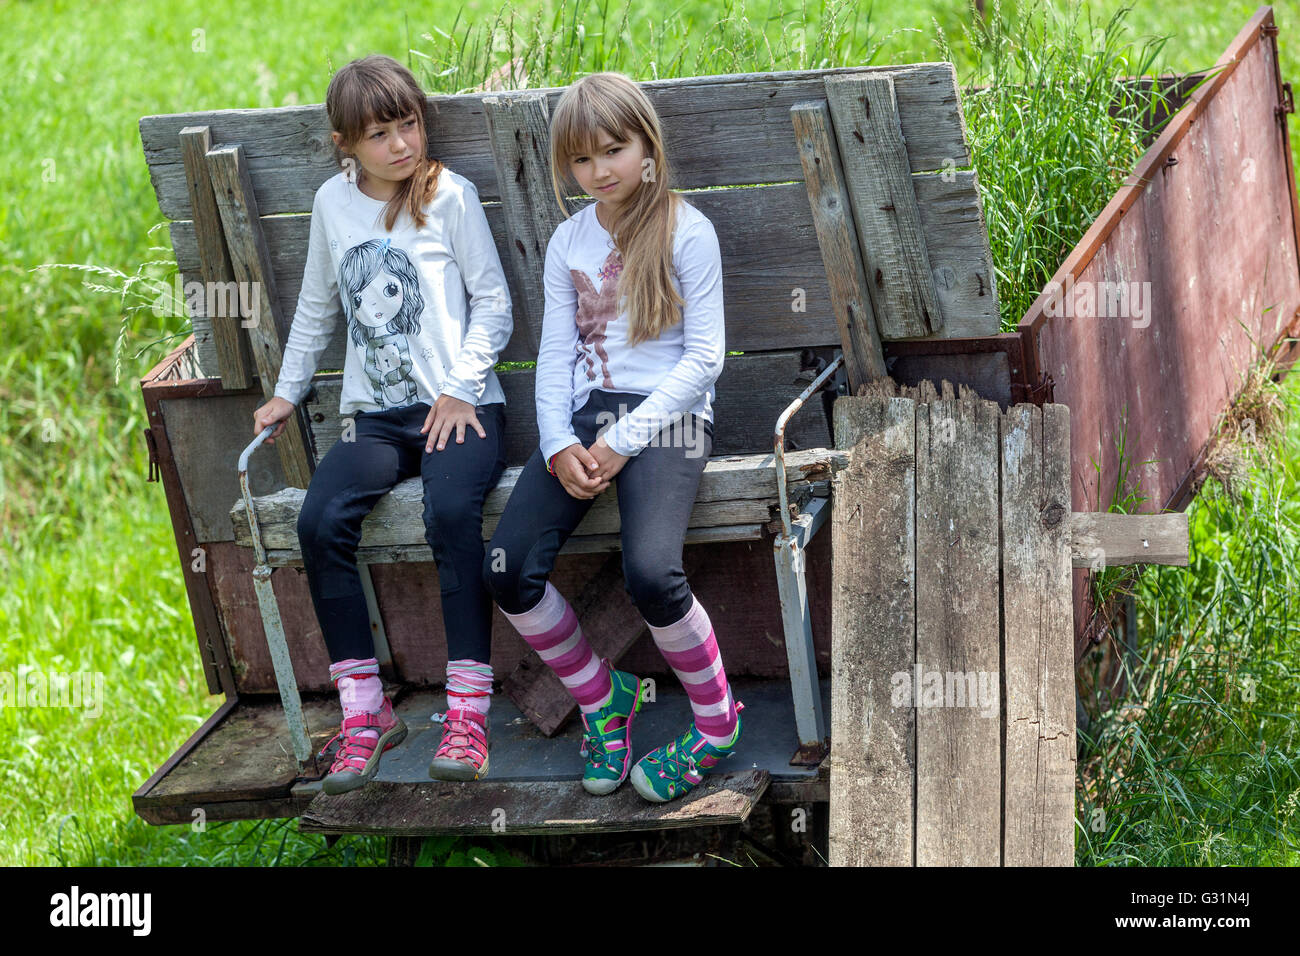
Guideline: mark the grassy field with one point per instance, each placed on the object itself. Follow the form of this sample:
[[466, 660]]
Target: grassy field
[[92, 581]]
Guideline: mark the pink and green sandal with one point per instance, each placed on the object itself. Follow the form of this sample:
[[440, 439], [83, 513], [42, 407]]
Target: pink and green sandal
[[606, 738], [675, 769], [357, 759], [463, 752]]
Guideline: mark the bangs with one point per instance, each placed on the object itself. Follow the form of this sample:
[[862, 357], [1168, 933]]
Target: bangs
[[366, 97], [589, 113]]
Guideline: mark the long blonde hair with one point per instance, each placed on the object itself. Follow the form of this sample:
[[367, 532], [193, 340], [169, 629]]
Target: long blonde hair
[[643, 225], [378, 89]]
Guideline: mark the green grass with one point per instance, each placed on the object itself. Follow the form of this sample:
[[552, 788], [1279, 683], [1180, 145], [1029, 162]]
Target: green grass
[[92, 575]]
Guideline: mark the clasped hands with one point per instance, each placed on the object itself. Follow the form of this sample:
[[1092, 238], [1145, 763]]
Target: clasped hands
[[586, 472]]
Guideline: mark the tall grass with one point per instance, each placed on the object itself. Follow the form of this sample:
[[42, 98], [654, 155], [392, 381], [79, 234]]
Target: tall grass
[[1053, 133], [1197, 764]]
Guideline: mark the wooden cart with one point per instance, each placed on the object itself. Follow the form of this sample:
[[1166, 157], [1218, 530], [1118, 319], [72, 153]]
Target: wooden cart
[[849, 253]]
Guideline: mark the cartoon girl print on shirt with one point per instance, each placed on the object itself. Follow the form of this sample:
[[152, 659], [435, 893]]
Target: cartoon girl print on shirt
[[382, 301]]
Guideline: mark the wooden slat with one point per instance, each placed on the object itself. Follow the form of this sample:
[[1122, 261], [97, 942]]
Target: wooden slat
[[252, 264], [828, 197], [958, 747], [234, 361], [870, 137], [873, 754], [752, 392], [577, 544], [743, 495], [520, 137], [493, 809], [759, 278], [1039, 633], [1101, 540], [290, 152]]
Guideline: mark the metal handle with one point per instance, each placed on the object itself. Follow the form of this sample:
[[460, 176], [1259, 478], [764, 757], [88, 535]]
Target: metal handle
[[780, 436]]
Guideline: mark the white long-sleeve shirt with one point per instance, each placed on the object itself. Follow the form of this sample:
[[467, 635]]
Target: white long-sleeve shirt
[[584, 335], [412, 332]]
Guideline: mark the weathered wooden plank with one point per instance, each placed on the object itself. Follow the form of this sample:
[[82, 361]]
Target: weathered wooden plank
[[290, 152], [873, 751], [955, 682], [520, 136], [577, 544], [234, 361], [885, 212], [760, 279], [752, 392], [828, 197], [252, 264], [1101, 540], [1038, 637], [397, 519], [487, 808]]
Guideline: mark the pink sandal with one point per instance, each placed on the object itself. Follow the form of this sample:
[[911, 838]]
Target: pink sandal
[[358, 759], [463, 752]]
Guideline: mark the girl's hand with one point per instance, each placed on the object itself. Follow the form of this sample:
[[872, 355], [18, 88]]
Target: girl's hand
[[276, 410], [609, 462], [448, 413], [573, 467]]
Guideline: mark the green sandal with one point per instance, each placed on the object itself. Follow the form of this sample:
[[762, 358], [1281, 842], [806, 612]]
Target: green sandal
[[606, 740], [675, 769]]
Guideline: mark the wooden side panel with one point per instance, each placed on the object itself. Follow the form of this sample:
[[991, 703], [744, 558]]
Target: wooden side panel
[[873, 747], [759, 278], [1209, 245], [955, 682], [1039, 730], [290, 152]]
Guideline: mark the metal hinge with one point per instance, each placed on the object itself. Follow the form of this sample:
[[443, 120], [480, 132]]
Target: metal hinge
[[1269, 29], [1288, 102], [155, 467], [1035, 394]]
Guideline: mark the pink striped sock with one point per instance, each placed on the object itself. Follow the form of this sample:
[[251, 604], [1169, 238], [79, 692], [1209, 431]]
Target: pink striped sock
[[552, 630], [469, 686], [691, 650], [360, 689]]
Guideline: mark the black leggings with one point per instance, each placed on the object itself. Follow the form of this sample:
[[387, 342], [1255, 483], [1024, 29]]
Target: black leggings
[[656, 493], [348, 482]]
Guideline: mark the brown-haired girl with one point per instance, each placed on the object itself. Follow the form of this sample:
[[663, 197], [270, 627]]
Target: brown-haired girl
[[400, 246], [632, 343]]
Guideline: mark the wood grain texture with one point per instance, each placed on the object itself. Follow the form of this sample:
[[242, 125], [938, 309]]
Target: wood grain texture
[[885, 211], [958, 636], [290, 151], [735, 492], [759, 278], [1100, 540], [1038, 626], [251, 262], [234, 362], [520, 137], [497, 809], [873, 750], [828, 197]]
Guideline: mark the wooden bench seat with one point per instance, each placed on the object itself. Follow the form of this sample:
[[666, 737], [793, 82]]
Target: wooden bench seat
[[737, 498]]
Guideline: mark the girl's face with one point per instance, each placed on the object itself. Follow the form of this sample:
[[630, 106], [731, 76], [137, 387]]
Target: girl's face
[[615, 171], [379, 302], [388, 153]]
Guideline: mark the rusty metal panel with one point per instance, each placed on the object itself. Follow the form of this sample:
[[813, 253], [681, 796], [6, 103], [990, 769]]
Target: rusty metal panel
[[1203, 237], [1208, 225]]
